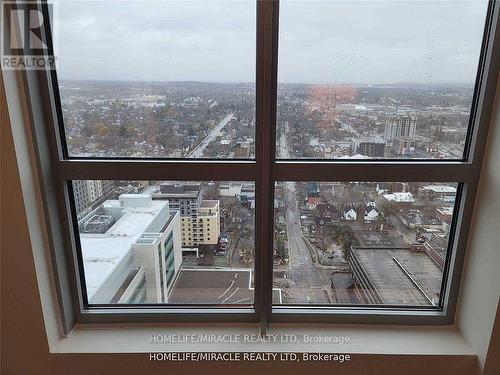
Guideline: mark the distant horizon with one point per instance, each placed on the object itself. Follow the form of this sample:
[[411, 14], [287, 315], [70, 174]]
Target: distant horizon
[[450, 83]]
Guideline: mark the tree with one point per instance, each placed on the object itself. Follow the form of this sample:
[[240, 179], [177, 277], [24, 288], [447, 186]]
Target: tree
[[388, 208], [86, 130], [231, 208], [345, 238], [101, 129], [281, 251]]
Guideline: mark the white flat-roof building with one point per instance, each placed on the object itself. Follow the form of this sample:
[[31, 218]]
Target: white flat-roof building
[[441, 189], [230, 189], [136, 259], [238, 190], [437, 192], [399, 197]]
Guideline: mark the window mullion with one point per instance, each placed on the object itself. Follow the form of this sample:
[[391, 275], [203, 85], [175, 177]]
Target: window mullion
[[374, 171], [143, 169], [267, 49]]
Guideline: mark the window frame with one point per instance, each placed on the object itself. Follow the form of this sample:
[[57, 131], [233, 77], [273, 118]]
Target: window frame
[[56, 169]]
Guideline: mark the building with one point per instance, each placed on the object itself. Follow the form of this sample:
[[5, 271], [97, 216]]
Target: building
[[374, 148], [182, 197], [328, 210], [97, 223], [313, 197], [403, 145], [371, 214], [230, 189], [217, 286], [437, 192], [353, 157], [350, 214], [240, 190], [400, 127], [416, 219], [445, 214], [132, 251], [200, 219], [88, 192], [377, 270], [402, 199], [204, 229]]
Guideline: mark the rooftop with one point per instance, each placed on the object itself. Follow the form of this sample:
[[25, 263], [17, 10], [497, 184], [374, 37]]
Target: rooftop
[[445, 210], [102, 252], [215, 286], [356, 156], [401, 276], [373, 239], [440, 188], [209, 204], [174, 190], [399, 197], [371, 139]]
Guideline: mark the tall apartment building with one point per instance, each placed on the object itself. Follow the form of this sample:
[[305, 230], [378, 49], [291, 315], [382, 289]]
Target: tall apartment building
[[132, 250], [185, 198], [200, 219], [204, 229], [400, 127], [87, 192]]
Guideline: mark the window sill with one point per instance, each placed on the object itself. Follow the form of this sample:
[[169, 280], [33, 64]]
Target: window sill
[[363, 339]]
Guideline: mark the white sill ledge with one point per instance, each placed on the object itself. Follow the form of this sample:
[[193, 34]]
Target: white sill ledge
[[363, 339]]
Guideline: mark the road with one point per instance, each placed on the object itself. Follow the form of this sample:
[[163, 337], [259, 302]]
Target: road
[[407, 235], [214, 133], [310, 282], [349, 128]]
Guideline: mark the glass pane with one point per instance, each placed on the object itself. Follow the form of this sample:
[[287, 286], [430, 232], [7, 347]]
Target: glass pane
[[171, 79], [376, 79], [175, 242], [361, 243]]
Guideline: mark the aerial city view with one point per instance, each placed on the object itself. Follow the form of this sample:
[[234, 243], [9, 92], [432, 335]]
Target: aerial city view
[[354, 83], [204, 120], [346, 243]]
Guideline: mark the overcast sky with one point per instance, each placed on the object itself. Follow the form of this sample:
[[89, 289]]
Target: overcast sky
[[320, 41]]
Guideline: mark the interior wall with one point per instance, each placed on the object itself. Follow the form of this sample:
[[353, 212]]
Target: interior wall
[[477, 312]]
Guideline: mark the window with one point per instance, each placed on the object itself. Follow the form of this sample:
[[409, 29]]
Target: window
[[119, 228], [402, 95], [269, 152], [352, 243], [157, 117]]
